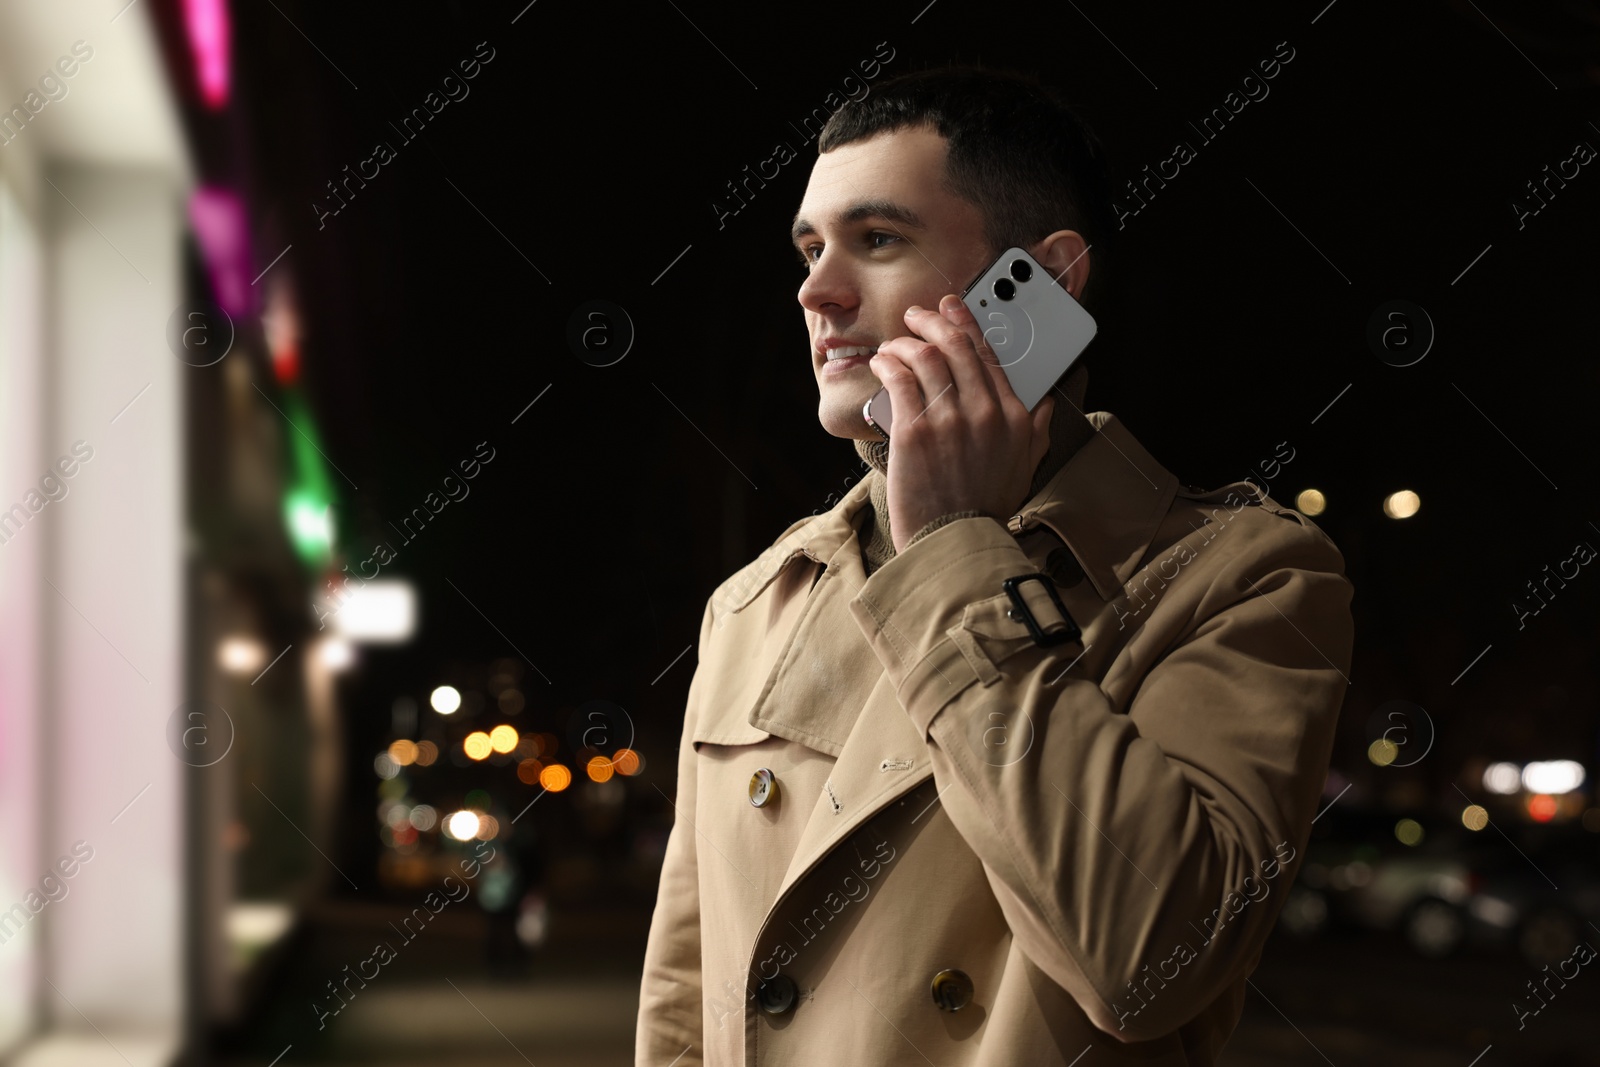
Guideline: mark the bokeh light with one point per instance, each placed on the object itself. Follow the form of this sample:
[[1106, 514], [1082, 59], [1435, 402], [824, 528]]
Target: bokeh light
[[445, 699], [1408, 832], [626, 761], [241, 655], [1310, 502], [1552, 776], [528, 771], [463, 825], [1474, 817], [1542, 807], [511, 702], [1402, 505], [477, 745], [336, 653], [385, 766], [600, 769], [555, 777], [503, 738], [1502, 778], [1382, 751], [427, 752], [423, 817], [403, 752], [488, 828]]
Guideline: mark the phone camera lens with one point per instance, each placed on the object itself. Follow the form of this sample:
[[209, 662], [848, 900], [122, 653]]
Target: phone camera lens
[[1020, 270], [1004, 289]]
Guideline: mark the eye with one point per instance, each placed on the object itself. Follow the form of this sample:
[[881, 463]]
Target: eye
[[871, 238]]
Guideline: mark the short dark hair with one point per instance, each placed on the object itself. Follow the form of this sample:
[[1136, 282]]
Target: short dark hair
[[1016, 150]]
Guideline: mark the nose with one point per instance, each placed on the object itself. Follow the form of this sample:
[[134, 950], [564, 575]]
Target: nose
[[828, 287]]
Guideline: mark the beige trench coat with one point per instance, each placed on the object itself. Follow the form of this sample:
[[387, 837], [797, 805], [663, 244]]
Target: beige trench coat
[[1090, 839]]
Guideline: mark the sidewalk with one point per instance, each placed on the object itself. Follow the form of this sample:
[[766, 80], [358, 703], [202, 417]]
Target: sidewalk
[[456, 995]]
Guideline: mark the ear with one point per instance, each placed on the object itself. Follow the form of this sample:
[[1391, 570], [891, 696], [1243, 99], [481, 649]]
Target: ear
[[1066, 256]]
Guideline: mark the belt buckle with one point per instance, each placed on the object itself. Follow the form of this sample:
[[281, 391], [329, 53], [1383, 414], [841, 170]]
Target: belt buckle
[[1040, 638]]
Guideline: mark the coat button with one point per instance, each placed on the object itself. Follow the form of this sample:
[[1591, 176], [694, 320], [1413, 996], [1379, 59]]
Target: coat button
[[776, 995], [763, 788], [952, 990]]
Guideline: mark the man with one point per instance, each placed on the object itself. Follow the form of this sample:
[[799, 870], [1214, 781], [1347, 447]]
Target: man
[[922, 818]]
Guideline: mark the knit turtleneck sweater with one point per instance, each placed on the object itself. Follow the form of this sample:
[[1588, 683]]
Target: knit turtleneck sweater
[[1069, 429]]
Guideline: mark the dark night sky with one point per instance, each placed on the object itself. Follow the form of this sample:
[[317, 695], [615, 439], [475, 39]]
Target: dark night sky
[[596, 140]]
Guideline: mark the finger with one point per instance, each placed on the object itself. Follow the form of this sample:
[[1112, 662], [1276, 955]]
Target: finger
[[996, 378], [1041, 429], [956, 332], [929, 364], [905, 397]]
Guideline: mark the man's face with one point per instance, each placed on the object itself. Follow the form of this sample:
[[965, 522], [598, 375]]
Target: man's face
[[880, 234]]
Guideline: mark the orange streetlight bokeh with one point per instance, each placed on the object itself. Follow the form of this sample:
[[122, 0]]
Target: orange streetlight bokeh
[[503, 738], [477, 745]]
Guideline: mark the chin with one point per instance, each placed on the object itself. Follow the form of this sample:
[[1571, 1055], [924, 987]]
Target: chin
[[842, 418]]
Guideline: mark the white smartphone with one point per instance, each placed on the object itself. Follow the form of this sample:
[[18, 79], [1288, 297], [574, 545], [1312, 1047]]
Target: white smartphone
[[1036, 328]]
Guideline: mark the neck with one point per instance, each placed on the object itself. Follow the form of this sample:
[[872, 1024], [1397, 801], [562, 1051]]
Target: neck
[[1069, 430]]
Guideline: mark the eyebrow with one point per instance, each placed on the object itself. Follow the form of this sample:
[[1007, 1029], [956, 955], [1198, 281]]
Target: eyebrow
[[858, 211]]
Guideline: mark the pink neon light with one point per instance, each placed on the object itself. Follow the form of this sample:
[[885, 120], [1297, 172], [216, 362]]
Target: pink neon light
[[223, 230], [210, 38]]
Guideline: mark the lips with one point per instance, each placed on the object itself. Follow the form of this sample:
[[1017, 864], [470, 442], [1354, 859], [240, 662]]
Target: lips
[[846, 351]]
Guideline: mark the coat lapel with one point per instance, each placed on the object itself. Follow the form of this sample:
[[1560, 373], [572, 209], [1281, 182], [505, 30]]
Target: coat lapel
[[882, 759], [827, 668], [829, 692]]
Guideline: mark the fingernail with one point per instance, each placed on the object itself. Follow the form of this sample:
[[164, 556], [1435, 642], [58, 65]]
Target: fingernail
[[913, 307]]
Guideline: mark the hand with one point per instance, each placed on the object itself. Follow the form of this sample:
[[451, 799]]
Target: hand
[[960, 439]]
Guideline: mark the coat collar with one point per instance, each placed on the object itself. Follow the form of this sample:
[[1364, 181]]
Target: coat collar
[[1105, 503], [817, 537]]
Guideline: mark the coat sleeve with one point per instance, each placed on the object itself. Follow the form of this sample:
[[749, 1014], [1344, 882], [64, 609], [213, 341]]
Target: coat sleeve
[[670, 1002], [1140, 858]]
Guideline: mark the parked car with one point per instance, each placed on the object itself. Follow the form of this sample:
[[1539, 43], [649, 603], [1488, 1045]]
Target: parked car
[[1357, 874], [1541, 898], [1533, 889]]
